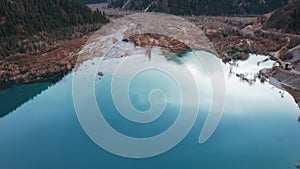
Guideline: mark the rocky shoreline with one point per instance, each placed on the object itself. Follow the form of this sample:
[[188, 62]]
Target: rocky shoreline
[[233, 39], [236, 43], [287, 75]]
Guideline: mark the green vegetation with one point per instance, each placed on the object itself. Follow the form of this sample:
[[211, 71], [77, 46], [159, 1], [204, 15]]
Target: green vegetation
[[28, 26], [203, 7]]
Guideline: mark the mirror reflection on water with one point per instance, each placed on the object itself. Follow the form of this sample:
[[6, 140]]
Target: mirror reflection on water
[[259, 128]]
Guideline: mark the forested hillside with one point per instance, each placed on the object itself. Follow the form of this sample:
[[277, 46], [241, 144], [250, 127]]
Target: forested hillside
[[202, 7], [27, 26], [93, 1]]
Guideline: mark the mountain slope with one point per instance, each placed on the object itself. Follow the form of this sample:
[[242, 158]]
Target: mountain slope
[[93, 1], [27, 26], [286, 19], [201, 7]]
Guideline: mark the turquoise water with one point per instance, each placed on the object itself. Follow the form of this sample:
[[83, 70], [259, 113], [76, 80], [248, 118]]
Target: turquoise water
[[15, 96], [259, 129]]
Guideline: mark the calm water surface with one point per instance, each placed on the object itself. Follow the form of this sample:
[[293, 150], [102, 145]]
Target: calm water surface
[[259, 128]]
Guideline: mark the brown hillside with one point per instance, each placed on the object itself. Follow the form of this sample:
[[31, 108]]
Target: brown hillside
[[286, 19]]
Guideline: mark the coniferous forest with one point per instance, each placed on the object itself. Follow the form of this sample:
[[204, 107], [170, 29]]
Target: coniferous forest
[[203, 7], [29, 25], [93, 1]]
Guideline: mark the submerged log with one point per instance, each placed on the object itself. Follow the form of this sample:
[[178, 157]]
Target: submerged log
[[100, 74], [298, 163]]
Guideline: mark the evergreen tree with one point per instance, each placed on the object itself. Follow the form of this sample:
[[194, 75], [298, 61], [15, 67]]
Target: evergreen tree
[[20, 20]]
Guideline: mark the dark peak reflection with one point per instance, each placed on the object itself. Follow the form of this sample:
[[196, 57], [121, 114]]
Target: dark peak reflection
[[14, 97]]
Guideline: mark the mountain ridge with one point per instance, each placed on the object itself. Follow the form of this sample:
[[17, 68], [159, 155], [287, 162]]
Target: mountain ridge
[[201, 7], [286, 19]]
